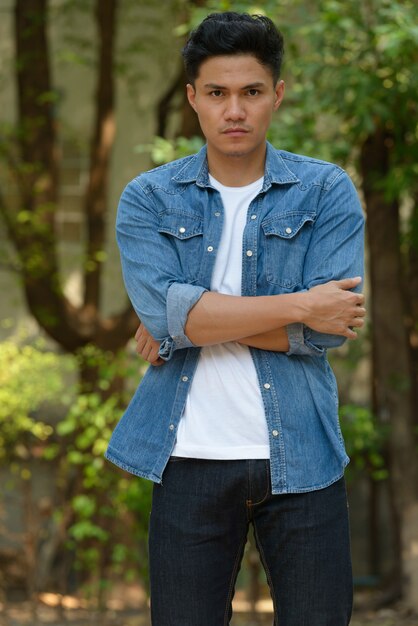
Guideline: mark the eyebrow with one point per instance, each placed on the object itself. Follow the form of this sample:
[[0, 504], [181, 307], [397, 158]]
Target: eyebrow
[[250, 86]]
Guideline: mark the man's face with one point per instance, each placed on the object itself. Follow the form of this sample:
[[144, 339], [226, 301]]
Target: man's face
[[234, 98]]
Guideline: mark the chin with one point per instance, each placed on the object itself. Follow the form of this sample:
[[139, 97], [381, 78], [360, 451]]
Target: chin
[[236, 153]]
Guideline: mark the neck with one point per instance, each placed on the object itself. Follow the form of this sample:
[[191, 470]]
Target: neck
[[236, 170]]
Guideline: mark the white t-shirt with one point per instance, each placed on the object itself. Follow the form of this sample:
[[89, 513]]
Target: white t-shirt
[[224, 414]]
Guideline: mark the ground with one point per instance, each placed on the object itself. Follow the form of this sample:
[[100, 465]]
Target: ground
[[53, 610]]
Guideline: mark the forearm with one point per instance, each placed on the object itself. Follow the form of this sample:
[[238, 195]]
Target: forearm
[[274, 340], [268, 322], [329, 308], [218, 318]]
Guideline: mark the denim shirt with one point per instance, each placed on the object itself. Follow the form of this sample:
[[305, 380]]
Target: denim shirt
[[304, 228]]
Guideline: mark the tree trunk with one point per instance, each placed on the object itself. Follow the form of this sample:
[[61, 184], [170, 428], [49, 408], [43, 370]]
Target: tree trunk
[[32, 228], [392, 371], [101, 148], [412, 283], [34, 236], [174, 100]]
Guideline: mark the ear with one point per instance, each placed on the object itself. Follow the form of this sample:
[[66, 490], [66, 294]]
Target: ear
[[278, 94], [191, 96]]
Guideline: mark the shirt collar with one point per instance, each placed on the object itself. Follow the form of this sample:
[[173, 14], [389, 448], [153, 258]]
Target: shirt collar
[[276, 170]]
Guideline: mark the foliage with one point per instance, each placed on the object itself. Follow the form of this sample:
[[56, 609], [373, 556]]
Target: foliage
[[165, 150], [30, 379], [350, 68], [365, 441], [35, 389], [351, 72], [45, 419]]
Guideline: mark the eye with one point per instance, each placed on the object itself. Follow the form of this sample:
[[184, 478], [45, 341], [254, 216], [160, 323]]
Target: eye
[[253, 92], [216, 93]]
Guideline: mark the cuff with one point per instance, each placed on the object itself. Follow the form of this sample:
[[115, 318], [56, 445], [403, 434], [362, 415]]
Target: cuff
[[181, 297], [299, 337]]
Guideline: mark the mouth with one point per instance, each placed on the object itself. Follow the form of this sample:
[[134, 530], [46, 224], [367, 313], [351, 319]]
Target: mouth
[[235, 132]]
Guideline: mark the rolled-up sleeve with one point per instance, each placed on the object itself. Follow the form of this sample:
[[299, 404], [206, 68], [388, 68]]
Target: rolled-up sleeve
[[181, 298], [152, 272], [336, 251], [307, 342]]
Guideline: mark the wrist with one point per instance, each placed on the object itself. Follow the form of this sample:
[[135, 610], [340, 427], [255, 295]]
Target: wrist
[[301, 307]]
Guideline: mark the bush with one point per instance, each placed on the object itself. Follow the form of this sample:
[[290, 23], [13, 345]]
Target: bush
[[99, 512]]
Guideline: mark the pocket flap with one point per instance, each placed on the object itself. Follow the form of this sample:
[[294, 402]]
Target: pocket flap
[[286, 226], [179, 224]]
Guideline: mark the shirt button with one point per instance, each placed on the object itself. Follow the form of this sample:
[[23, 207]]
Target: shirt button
[[210, 248], [171, 427], [253, 217], [266, 385], [275, 433], [288, 230], [249, 253], [182, 229], [185, 379], [217, 213]]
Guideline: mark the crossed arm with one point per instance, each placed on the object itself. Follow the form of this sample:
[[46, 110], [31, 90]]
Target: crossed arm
[[261, 321]]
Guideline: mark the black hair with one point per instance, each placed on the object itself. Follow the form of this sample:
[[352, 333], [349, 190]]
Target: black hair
[[234, 33]]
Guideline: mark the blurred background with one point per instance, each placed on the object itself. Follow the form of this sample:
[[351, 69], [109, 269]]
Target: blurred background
[[91, 94]]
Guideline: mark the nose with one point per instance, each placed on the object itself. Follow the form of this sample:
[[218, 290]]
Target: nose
[[234, 110]]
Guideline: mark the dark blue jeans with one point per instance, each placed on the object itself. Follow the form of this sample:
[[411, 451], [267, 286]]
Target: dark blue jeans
[[198, 529]]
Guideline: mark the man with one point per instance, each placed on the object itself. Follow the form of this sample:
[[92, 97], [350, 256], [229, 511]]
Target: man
[[240, 262]]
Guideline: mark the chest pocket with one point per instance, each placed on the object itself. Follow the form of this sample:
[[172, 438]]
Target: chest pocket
[[186, 233], [286, 240]]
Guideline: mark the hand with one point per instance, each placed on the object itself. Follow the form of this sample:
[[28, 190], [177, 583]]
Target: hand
[[147, 347], [334, 309]]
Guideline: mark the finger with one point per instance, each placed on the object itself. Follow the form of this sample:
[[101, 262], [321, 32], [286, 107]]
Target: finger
[[360, 311], [158, 362], [154, 351], [357, 312], [348, 283], [351, 297], [358, 298], [350, 334], [357, 322], [147, 353], [140, 345], [138, 332], [141, 342]]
